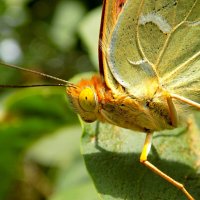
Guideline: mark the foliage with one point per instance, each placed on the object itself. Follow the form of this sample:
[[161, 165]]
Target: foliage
[[112, 158], [40, 134]]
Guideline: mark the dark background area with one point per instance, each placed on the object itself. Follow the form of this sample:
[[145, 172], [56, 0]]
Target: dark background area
[[39, 133]]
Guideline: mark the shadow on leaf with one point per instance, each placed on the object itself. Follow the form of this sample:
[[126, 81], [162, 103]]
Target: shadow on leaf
[[112, 158]]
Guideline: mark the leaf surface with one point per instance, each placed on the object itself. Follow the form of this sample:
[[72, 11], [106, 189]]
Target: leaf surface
[[112, 158]]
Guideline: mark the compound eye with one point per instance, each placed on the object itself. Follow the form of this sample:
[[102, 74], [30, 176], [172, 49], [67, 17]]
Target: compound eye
[[88, 100]]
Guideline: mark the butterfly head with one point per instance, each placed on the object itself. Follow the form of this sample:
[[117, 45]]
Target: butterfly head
[[84, 100]]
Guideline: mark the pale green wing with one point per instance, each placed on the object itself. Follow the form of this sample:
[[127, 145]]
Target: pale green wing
[[110, 12], [157, 42], [179, 64]]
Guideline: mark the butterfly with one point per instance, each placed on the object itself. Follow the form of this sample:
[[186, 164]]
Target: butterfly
[[149, 70]]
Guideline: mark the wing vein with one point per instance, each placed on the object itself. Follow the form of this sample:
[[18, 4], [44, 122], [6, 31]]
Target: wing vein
[[181, 66], [169, 35], [138, 40]]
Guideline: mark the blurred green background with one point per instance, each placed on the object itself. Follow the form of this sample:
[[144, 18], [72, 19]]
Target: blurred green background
[[39, 133]]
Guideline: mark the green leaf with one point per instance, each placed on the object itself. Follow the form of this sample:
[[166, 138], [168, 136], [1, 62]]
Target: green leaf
[[89, 32], [64, 25], [73, 183], [61, 150], [58, 149], [25, 116], [112, 156]]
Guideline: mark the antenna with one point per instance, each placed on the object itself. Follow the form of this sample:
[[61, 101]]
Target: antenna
[[36, 72], [27, 86], [67, 83]]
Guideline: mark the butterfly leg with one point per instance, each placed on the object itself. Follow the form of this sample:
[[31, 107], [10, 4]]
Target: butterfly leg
[[185, 100], [172, 112], [144, 161]]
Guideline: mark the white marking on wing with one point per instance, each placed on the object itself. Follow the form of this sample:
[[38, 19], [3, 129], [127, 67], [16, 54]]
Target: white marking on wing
[[139, 62], [144, 65], [156, 19], [195, 23]]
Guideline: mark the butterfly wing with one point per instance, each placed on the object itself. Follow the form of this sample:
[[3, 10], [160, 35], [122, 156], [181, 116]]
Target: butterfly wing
[[181, 73], [127, 61], [157, 43], [110, 12]]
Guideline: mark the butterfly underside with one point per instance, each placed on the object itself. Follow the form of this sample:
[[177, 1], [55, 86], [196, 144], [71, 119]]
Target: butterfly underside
[[155, 44]]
